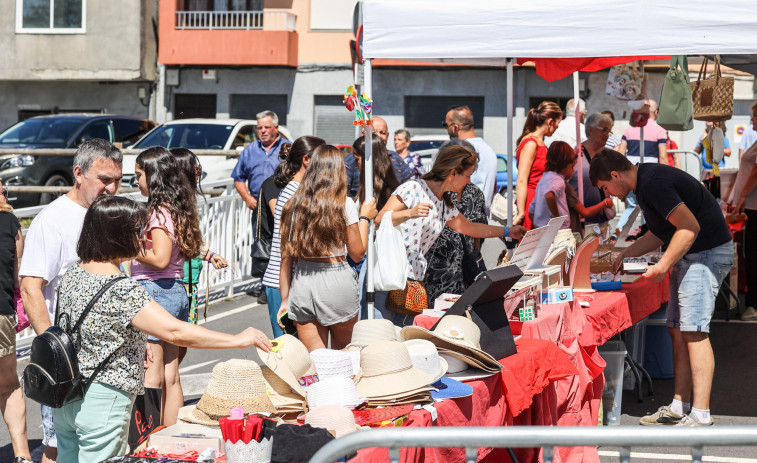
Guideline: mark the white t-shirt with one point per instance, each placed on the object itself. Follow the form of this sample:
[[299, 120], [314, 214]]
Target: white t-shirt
[[485, 176], [50, 245], [748, 162], [554, 182], [566, 132], [421, 233]]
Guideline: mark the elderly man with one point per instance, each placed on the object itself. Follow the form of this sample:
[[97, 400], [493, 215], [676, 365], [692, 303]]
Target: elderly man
[[459, 124], [258, 160], [50, 246], [683, 215], [567, 130]]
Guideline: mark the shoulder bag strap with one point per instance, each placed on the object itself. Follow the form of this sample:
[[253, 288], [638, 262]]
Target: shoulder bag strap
[[261, 198], [94, 300]]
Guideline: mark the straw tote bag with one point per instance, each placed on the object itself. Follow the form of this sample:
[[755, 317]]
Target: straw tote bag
[[713, 97]]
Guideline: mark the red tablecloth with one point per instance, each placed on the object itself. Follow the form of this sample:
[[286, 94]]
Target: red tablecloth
[[645, 297]]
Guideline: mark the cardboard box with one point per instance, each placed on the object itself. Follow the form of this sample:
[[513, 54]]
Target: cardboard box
[[556, 294], [184, 437], [445, 301]]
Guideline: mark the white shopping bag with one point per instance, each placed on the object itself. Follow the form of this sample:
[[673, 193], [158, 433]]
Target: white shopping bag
[[391, 267]]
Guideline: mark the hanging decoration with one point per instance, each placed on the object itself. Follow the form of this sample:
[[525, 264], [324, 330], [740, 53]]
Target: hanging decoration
[[361, 105]]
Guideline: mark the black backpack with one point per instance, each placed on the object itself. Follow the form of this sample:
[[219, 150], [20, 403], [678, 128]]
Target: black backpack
[[52, 376]]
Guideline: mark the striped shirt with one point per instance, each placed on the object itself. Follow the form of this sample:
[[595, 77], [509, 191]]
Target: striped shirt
[[271, 277]]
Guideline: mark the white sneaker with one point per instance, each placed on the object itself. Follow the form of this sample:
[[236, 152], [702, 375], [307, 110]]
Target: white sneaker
[[749, 314]]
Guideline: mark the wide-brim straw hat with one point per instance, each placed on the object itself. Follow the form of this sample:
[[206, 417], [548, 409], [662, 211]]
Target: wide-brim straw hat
[[333, 418], [456, 334], [280, 392], [387, 369], [234, 383], [289, 360], [425, 357], [373, 330], [332, 363]]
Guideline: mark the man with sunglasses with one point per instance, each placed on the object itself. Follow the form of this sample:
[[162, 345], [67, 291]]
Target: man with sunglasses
[[50, 246]]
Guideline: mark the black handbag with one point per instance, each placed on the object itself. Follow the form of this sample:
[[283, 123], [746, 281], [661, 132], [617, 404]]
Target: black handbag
[[261, 248], [52, 376]]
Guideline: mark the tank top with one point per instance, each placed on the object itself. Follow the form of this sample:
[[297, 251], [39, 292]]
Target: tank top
[[540, 162]]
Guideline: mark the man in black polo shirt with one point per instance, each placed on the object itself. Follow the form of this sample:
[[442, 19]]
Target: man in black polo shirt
[[682, 214]]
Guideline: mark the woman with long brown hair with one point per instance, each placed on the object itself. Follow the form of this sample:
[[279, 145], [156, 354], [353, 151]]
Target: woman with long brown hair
[[384, 177], [531, 154], [317, 225]]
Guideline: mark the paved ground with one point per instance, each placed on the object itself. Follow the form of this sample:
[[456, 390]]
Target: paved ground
[[732, 402]]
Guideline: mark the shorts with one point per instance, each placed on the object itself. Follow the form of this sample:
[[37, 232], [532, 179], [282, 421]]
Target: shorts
[[324, 292], [7, 335], [694, 284], [171, 295], [49, 439]]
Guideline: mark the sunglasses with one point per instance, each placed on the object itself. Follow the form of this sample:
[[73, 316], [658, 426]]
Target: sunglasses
[[445, 125], [5, 192]]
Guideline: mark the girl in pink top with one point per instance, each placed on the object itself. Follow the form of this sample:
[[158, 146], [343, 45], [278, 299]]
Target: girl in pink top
[[172, 237]]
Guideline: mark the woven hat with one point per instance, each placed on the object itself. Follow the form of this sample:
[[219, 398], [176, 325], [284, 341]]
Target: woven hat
[[332, 363], [425, 357], [334, 418], [387, 369], [456, 334], [333, 391], [288, 359], [234, 383], [369, 331]]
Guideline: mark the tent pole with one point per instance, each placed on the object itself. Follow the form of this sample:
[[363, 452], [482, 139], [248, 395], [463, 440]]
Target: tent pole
[[641, 145], [578, 147], [368, 167], [510, 105]]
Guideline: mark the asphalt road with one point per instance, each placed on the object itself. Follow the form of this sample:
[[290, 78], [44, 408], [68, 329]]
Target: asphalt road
[[732, 401]]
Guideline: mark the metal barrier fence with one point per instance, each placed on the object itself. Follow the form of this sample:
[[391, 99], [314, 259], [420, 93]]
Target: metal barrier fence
[[225, 226], [546, 437]]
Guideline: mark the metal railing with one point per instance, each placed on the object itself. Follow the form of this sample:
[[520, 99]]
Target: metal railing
[[242, 20], [690, 162], [225, 225], [546, 437]]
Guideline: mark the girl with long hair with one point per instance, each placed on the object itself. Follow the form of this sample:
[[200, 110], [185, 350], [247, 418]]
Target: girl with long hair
[[532, 155], [173, 236], [286, 180], [320, 226], [423, 207], [384, 178]]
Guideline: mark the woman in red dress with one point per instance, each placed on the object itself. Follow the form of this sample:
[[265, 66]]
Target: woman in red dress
[[532, 155]]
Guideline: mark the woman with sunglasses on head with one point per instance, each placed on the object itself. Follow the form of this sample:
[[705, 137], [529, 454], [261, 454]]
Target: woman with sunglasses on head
[[96, 427], [12, 401]]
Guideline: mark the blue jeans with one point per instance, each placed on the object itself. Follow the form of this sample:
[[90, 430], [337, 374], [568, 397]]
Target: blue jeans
[[95, 428], [694, 284], [274, 304], [171, 295], [631, 204]]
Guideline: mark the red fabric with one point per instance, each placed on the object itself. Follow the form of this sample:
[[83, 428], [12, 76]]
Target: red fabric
[[645, 297], [537, 170], [552, 69], [607, 315], [671, 145]]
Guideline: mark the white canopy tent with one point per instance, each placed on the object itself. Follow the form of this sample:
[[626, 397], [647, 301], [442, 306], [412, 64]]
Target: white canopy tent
[[493, 32]]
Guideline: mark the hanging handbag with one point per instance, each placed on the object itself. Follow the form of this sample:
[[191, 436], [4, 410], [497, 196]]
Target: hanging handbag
[[391, 267], [676, 108], [409, 301], [713, 97], [52, 376], [261, 248], [627, 82]]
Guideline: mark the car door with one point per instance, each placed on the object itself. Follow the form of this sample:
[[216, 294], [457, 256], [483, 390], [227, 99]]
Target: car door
[[128, 130]]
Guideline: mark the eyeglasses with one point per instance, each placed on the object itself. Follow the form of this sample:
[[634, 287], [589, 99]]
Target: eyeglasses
[[5, 192], [604, 131], [445, 125]]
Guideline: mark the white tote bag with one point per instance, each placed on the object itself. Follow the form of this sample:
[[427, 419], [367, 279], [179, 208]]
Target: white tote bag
[[391, 268]]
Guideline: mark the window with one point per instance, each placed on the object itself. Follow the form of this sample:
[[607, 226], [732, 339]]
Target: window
[[244, 137], [51, 16], [130, 130], [97, 129], [188, 105], [246, 106], [428, 112]]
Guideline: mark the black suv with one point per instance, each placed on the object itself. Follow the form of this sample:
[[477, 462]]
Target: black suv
[[58, 131]]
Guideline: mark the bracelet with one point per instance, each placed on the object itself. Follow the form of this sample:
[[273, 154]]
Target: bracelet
[[507, 232], [211, 255], [362, 217]]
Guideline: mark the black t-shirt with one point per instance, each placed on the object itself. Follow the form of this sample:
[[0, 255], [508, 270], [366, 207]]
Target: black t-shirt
[[660, 189], [269, 192], [9, 227]]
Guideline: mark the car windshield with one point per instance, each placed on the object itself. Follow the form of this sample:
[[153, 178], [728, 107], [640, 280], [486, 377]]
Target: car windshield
[[46, 131], [191, 136], [426, 145]]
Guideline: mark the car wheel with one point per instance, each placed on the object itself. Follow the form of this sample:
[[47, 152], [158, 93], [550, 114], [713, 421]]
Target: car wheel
[[54, 180]]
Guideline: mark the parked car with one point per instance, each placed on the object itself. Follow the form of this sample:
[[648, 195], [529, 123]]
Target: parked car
[[58, 131], [194, 134], [502, 171], [427, 146]]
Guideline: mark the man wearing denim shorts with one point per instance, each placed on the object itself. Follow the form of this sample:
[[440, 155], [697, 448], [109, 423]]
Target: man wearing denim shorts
[[683, 215], [50, 246]]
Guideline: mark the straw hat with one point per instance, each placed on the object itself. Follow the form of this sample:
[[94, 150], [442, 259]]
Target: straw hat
[[234, 383], [369, 331], [387, 369], [333, 391], [280, 393], [332, 417], [425, 357], [457, 334], [454, 364], [332, 363], [289, 359]]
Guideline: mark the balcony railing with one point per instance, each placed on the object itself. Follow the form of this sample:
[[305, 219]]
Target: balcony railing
[[245, 20]]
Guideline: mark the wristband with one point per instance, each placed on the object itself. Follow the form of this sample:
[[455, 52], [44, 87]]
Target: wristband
[[362, 217], [507, 232], [211, 256]]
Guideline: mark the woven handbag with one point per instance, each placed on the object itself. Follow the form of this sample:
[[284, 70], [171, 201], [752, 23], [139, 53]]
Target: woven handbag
[[409, 301], [713, 97]]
